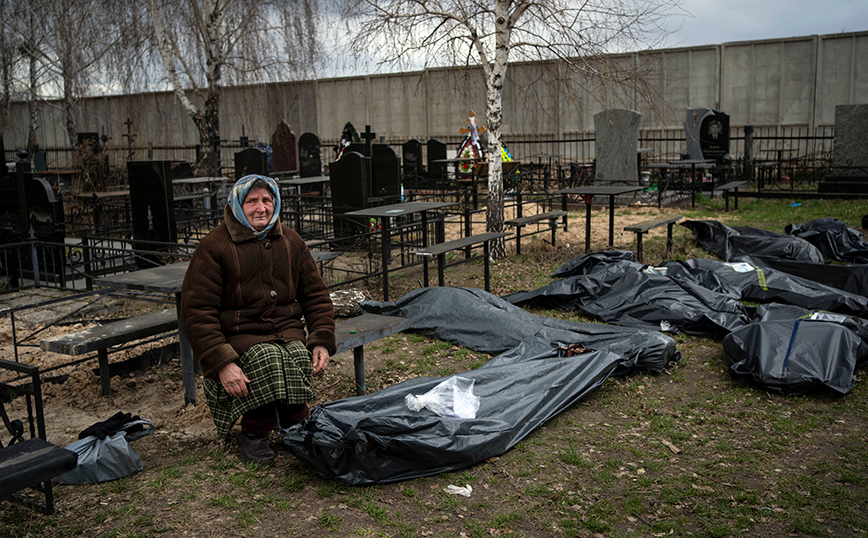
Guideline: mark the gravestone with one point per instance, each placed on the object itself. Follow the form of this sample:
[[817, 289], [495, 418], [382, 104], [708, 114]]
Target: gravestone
[[348, 179], [849, 171], [29, 208], [437, 172], [616, 147], [284, 150], [412, 157], [385, 185], [152, 205], [250, 161], [707, 134], [310, 155]]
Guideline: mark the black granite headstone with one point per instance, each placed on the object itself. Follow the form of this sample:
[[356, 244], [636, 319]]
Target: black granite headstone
[[707, 134], [151, 203], [412, 157], [284, 150], [385, 184], [310, 155], [349, 188], [437, 172], [250, 161]]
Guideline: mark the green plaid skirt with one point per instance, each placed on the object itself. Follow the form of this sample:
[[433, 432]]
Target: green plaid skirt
[[277, 372]]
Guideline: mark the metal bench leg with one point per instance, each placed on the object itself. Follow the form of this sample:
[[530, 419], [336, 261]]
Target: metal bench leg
[[359, 365], [441, 261], [486, 248], [518, 239], [104, 375], [639, 247], [554, 226], [726, 199]]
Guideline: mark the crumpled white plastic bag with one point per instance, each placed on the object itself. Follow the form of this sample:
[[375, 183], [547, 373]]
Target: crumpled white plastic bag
[[452, 398], [458, 490]]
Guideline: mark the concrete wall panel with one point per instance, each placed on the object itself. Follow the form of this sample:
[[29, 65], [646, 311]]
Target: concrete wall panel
[[769, 84]]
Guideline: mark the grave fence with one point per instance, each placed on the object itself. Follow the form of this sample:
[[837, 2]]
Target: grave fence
[[795, 155]]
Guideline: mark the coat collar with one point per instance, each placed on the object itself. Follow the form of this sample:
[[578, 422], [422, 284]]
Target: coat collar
[[240, 233]]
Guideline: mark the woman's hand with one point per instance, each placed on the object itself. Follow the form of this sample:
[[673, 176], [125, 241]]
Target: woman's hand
[[234, 381], [320, 359]]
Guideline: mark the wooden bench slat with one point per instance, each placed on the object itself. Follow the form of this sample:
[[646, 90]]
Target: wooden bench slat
[[29, 463], [643, 227], [456, 244], [523, 221], [520, 222], [354, 333], [650, 224], [440, 250], [367, 328], [110, 334]]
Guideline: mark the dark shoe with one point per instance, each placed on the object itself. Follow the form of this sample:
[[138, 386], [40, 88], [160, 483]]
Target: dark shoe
[[255, 449]]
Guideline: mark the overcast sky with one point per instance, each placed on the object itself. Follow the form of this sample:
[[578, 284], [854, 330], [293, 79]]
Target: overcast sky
[[721, 21]]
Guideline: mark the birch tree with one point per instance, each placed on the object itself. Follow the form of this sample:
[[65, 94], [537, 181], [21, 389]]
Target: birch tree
[[492, 33], [203, 44]]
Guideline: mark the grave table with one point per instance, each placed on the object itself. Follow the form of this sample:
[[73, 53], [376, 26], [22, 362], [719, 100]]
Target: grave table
[[587, 194], [385, 213], [692, 164]]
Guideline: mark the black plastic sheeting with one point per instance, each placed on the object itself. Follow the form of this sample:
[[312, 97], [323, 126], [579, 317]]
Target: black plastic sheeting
[[799, 355], [615, 288], [833, 238], [750, 282], [484, 322], [730, 242], [376, 439], [851, 278]]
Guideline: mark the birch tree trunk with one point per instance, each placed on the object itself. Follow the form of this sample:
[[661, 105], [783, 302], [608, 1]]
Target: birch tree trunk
[[207, 121], [32, 84], [495, 74]]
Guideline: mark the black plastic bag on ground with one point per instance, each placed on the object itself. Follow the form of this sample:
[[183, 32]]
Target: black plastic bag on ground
[[834, 239], [628, 293], [746, 281], [480, 321], [375, 438], [852, 278], [799, 356], [729, 242]]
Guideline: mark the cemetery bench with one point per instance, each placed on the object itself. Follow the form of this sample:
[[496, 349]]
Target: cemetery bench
[[731, 186], [29, 462], [354, 333], [521, 222], [440, 250], [104, 337], [643, 227]]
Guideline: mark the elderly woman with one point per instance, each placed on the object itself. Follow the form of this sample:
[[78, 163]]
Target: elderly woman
[[259, 318]]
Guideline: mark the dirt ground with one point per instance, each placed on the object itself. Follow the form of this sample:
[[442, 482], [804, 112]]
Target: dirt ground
[[187, 489]]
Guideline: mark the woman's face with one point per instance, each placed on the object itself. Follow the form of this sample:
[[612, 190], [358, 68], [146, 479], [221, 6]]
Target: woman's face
[[258, 208]]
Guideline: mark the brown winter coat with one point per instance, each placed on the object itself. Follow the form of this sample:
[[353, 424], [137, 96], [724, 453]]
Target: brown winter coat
[[240, 291]]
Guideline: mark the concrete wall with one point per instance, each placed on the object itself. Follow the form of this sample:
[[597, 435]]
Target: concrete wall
[[769, 84]]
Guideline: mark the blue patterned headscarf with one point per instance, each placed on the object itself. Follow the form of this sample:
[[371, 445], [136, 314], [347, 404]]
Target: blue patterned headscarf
[[239, 193]]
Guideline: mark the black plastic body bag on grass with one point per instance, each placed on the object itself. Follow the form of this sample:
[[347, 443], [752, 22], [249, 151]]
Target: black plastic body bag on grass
[[375, 438]]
